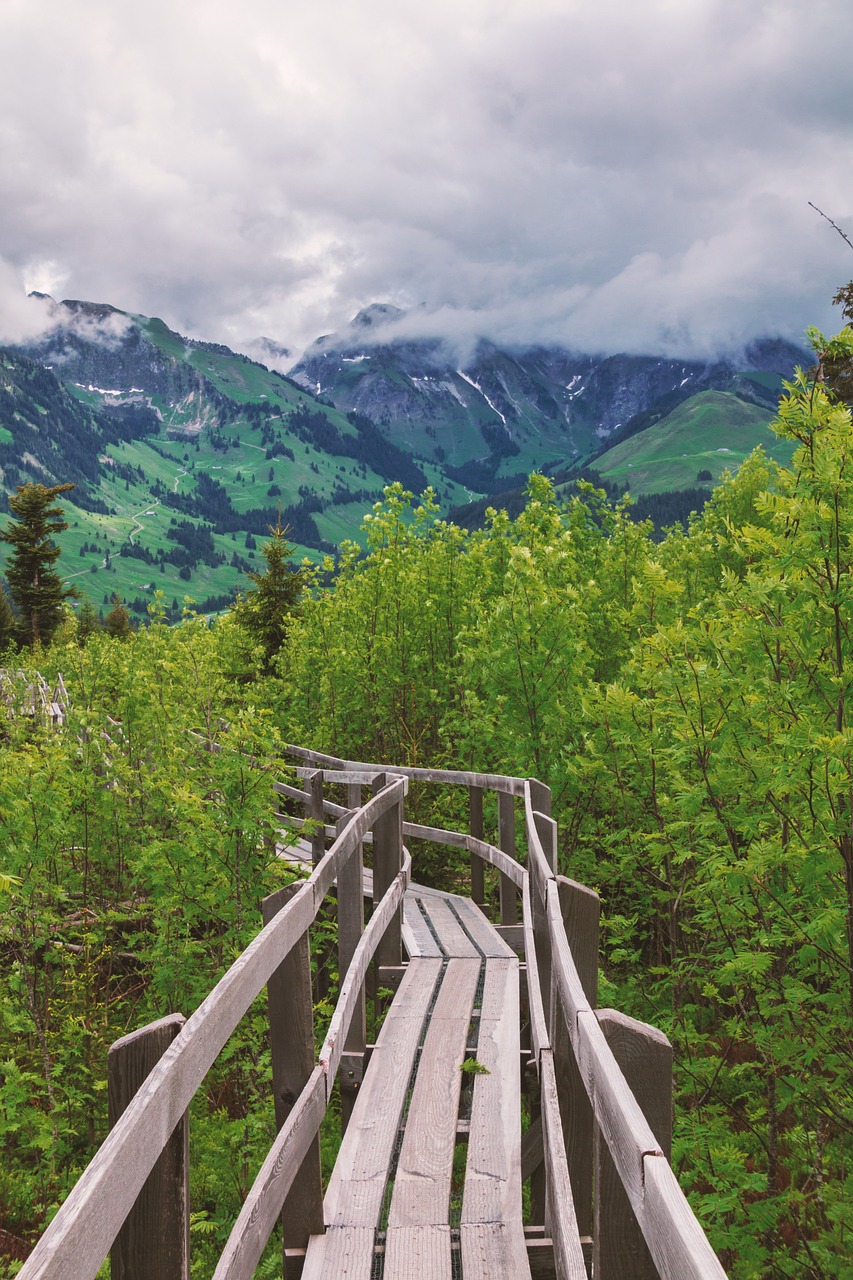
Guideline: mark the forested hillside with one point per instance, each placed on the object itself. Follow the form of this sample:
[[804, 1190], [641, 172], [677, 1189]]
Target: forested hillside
[[689, 702]]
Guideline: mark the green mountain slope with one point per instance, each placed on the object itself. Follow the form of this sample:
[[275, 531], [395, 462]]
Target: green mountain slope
[[711, 432]]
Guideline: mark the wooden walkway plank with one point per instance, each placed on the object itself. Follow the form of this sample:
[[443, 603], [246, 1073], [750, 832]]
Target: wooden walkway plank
[[425, 1167], [418, 1253], [493, 1173], [357, 1186], [494, 1251], [481, 930], [452, 937], [342, 1251], [417, 935]]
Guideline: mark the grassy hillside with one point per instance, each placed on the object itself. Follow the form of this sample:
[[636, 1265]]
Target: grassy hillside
[[713, 431]]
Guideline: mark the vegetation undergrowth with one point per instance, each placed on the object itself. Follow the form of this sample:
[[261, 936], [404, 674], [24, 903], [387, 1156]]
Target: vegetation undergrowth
[[689, 703]]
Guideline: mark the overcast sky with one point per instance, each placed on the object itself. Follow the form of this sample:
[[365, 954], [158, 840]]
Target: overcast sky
[[612, 176]]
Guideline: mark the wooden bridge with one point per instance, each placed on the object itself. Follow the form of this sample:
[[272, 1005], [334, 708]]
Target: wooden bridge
[[493, 1069]]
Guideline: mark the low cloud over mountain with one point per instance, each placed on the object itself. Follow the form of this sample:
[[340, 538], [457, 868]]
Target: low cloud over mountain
[[617, 177]]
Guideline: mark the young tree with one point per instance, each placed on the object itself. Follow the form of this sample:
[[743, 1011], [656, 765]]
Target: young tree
[[34, 585], [266, 610], [117, 622]]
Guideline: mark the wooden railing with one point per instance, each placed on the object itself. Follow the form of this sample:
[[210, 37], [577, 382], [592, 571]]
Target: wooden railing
[[589, 1131]]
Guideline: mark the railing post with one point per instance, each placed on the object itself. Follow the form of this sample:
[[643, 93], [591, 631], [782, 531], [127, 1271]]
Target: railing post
[[546, 829], [506, 841], [475, 826], [580, 909], [154, 1243], [645, 1057], [350, 929], [291, 1017], [314, 809], [387, 862]]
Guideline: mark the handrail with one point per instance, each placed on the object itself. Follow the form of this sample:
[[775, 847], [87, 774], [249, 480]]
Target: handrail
[[80, 1236], [83, 1230]]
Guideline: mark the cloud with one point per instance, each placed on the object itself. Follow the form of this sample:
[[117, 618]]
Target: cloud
[[617, 177]]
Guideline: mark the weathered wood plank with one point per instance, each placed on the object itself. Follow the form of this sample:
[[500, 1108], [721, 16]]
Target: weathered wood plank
[[418, 1253], [488, 781], [387, 860], [155, 1239], [492, 1191], [357, 1186], [314, 812], [353, 981], [452, 937], [506, 840], [492, 1251], [579, 908], [678, 1244], [326, 872], [291, 1021], [79, 1237], [342, 1251], [481, 930], [425, 1167], [350, 928], [644, 1056], [417, 936], [269, 1191], [538, 1022], [504, 862], [560, 1212], [475, 826]]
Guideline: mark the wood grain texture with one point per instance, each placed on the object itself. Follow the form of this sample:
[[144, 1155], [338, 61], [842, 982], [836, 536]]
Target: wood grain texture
[[387, 860], [538, 1023], [291, 1020], [475, 827], [677, 1243], [417, 936], [560, 1213], [579, 910], [425, 1167], [155, 1239], [492, 1191], [506, 840], [505, 863], [314, 812], [352, 985], [489, 781], [341, 1252], [644, 1056], [79, 1237], [493, 1251], [269, 1191], [452, 937], [487, 939], [357, 1185], [417, 1253], [351, 924]]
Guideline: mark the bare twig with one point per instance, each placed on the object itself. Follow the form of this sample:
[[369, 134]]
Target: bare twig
[[843, 234]]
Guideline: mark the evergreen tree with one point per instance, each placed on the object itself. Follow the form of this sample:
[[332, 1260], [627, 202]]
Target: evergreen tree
[[88, 621], [34, 585], [117, 621], [266, 610]]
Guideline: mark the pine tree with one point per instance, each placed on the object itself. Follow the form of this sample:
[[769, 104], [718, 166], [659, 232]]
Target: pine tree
[[34, 585], [265, 611]]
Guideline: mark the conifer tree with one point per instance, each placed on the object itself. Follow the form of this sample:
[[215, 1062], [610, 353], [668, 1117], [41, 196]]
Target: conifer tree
[[266, 610], [34, 585]]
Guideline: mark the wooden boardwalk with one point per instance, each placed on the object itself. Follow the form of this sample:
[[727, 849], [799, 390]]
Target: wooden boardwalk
[[399, 1188], [434, 1179]]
